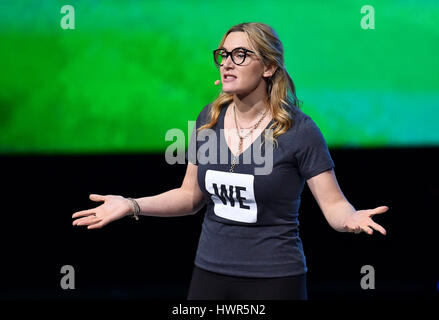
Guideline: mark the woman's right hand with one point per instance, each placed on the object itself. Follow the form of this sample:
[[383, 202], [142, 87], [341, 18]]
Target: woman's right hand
[[113, 208]]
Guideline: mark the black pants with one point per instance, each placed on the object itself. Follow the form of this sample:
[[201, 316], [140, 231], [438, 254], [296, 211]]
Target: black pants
[[207, 285]]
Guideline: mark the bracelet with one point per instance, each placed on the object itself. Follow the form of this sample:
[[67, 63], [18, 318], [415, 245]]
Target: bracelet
[[136, 208]]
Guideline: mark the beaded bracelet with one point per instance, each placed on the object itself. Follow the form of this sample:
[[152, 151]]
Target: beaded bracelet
[[136, 208]]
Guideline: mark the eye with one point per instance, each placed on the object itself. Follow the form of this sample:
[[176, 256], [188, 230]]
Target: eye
[[239, 54]]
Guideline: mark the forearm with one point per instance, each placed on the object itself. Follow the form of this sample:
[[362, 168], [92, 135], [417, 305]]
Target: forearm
[[337, 213], [172, 203]]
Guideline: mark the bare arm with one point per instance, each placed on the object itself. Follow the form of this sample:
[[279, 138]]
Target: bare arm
[[186, 200], [339, 213]]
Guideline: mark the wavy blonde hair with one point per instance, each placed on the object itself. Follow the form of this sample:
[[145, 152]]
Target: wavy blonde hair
[[280, 87]]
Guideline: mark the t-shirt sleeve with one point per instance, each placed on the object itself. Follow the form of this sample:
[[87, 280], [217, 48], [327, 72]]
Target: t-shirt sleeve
[[312, 153], [191, 153]]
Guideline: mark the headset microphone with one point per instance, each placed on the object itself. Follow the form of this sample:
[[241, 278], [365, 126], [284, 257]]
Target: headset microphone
[[217, 82]]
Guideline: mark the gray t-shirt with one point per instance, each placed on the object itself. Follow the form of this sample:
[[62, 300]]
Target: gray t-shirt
[[251, 226]]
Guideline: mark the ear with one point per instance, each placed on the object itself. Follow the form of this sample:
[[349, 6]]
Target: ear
[[269, 71]]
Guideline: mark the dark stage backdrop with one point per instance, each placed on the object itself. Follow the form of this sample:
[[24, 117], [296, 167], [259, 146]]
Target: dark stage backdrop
[[153, 258]]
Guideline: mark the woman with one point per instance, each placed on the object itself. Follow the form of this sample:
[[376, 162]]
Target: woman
[[249, 246]]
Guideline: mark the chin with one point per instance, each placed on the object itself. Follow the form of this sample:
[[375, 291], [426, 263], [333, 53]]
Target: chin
[[233, 90], [239, 89], [230, 90], [240, 93]]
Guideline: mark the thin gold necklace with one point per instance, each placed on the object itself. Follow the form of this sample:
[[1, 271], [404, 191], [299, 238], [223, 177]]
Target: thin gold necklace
[[242, 128], [241, 138]]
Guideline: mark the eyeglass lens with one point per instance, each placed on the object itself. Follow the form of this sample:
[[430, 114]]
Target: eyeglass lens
[[238, 56]]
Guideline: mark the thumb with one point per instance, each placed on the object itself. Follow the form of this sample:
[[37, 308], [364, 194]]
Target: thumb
[[97, 197], [380, 209]]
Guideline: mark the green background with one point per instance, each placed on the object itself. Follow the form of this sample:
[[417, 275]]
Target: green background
[[132, 70]]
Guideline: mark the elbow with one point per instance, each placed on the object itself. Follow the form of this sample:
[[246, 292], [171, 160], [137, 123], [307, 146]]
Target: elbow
[[193, 202], [197, 207]]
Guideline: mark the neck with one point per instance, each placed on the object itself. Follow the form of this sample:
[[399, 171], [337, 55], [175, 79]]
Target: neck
[[250, 106]]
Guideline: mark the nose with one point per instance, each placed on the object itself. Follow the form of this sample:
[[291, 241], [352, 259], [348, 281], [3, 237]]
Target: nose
[[228, 62]]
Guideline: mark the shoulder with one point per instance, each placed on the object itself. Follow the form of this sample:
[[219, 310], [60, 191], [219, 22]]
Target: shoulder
[[304, 132], [204, 114], [206, 108], [302, 123]]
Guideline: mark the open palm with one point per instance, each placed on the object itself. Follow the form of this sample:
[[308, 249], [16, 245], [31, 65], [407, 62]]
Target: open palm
[[113, 208], [361, 221]]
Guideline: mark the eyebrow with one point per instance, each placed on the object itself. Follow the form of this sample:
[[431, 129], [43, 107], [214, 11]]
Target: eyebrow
[[234, 48]]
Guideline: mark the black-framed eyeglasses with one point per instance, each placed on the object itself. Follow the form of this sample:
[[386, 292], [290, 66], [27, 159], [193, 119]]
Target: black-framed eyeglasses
[[238, 55]]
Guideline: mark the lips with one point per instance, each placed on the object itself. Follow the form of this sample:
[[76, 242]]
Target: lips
[[228, 77]]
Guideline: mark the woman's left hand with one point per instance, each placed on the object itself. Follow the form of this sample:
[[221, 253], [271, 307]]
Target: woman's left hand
[[361, 221]]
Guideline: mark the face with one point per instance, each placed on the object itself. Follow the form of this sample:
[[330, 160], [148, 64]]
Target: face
[[246, 77]]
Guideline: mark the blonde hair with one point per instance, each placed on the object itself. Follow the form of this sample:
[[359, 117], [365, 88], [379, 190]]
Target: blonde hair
[[280, 87]]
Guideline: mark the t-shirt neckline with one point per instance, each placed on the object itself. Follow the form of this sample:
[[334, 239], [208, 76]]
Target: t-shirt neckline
[[222, 132]]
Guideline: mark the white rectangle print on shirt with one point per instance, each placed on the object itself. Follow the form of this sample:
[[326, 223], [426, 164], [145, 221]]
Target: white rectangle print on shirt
[[233, 195]]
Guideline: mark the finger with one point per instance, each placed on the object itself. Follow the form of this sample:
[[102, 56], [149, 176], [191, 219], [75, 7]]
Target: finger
[[86, 221], [378, 228], [368, 230], [97, 225], [83, 213], [357, 230], [97, 197], [378, 210]]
